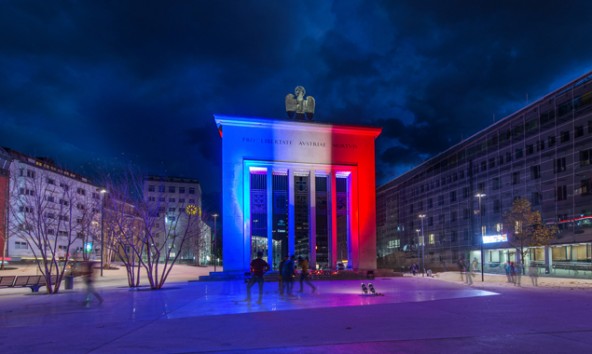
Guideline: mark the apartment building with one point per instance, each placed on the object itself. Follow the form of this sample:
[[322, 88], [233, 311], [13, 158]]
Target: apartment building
[[439, 210], [174, 198], [50, 211]]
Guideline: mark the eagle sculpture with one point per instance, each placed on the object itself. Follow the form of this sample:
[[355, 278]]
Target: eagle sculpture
[[299, 107]]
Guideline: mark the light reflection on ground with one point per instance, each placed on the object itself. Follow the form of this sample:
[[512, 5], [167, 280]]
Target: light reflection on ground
[[222, 298]]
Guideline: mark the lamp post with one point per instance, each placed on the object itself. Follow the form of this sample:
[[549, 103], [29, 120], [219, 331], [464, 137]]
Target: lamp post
[[102, 191], [421, 217], [479, 196], [214, 241]]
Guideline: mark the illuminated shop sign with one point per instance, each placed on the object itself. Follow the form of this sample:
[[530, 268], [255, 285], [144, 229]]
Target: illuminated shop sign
[[495, 238]]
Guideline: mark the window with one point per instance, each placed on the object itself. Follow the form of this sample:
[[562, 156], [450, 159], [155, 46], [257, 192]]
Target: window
[[465, 192], [508, 157], [453, 196], [171, 200], [50, 216], [191, 201], [440, 200], [172, 189], [519, 153], [495, 183], [50, 231], [161, 199], [535, 198], [529, 149], [62, 233], [64, 202], [585, 187], [466, 213], [63, 217], [191, 190], [181, 189], [26, 209], [559, 165], [95, 196], [27, 173], [151, 188], [492, 162], [535, 172], [411, 208], [25, 191], [80, 206], [585, 157], [562, 192], [181, 200], [453, 216], [50, 181], [483, 166], [172, 210], [515, 177], [430, 203], [151, 199], [80, 234], [81, 191], [431, 221], [497, 206], [579, 131], [20, 245], [551, 141], [432, 239], [396, 243], [564, 136], [161, 188]]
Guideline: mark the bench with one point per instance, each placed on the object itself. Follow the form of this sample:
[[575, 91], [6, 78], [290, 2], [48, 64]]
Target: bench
[[34, 282]]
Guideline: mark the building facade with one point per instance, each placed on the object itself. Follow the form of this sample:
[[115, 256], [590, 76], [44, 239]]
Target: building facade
[[298, 188], [51, 212], [438, 211], [173, 198]]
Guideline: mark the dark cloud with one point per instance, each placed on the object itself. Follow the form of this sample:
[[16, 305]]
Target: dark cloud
[[106, 83]]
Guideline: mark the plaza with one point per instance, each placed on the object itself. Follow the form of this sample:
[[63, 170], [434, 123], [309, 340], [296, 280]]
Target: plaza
[[413, 315]]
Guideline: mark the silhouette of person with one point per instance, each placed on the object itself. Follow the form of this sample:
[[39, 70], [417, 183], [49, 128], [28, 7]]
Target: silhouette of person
[[258, 269], [533, 272], [304, 274], [89, 280], [288, 276]]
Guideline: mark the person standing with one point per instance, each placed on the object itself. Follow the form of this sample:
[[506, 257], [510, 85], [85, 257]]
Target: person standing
[[89, 280], [281, 283], [533, 272], [288, 276], [304, 274], [258, 269]]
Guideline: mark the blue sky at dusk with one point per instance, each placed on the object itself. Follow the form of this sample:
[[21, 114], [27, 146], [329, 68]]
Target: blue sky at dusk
[[97, 85]]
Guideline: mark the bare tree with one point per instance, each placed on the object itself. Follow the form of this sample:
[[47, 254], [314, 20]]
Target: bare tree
[[53, 215], [525, 227], [144, 232]]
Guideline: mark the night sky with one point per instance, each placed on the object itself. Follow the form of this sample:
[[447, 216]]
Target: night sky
[[99, 85]]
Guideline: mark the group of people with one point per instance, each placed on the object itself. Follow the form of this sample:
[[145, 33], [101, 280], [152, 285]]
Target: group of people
[[467, 271], [287, 274]]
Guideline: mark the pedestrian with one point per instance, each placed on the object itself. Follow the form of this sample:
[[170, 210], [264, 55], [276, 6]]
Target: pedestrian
[[414, 269], [258, 269], [518, 275], [474, 265], [469, 274], [89, 280], [507, 269], [288, 276], [280, 278], [512, 273], [533, 273], [304, 274], [461, 269]]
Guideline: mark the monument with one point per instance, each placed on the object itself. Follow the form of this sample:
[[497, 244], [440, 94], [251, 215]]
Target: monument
[[297, 187]]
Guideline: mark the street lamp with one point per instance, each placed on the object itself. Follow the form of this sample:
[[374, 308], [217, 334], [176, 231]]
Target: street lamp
[[214, 242], [479, 196], [421, 217], [102, 191]]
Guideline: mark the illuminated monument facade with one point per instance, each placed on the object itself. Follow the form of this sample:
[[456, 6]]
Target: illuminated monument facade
[[294, 187]]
